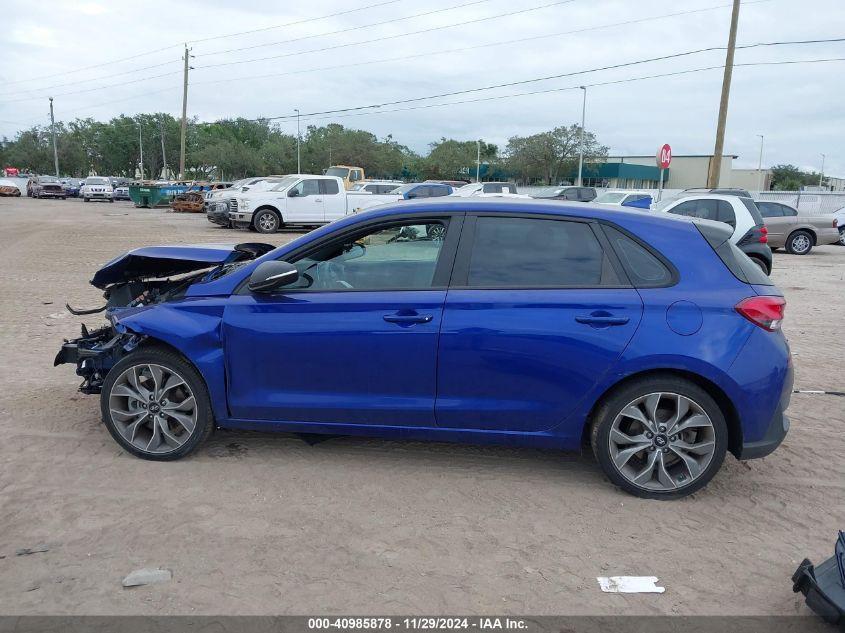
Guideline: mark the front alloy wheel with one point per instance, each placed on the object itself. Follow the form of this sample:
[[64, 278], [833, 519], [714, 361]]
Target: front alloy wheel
[[155, 405], [266, 221], [799, 243]]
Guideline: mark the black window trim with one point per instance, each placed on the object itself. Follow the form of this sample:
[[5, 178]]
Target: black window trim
[[460, 270], [445, 259]]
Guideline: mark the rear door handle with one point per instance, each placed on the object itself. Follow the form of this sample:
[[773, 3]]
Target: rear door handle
[[599, 320], [407, 319]]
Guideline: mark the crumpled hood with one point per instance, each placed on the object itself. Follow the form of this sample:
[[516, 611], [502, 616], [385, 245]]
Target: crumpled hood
[[154, 262]]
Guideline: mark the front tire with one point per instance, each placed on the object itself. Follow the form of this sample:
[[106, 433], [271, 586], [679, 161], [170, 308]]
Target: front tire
[[842, 236], [156, 405], [799, 243], [659, 437], [266, 221]]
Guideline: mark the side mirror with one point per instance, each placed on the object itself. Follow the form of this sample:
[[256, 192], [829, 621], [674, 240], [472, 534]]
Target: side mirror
[[269, 276], [293, 193]]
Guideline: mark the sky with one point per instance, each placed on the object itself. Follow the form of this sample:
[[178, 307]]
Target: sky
[[267, 58]]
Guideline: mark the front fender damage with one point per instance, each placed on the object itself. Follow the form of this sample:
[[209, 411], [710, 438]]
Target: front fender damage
[[95, 353]]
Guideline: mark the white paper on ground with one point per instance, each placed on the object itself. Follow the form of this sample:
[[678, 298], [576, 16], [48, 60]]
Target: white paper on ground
[[629, 584]]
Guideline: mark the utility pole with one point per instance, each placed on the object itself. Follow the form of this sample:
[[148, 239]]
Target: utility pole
[[184, 113], [477, 161], [581, 140], [716, 161], [141, 147], [821, 174], [298, 163], [163, 153], [53, 133], [760, 166]]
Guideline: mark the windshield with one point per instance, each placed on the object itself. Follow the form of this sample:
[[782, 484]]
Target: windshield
[[659, 206], [467, 190], [548, 192], [281, 184], [358, 186], [96, 181], [611, 197], [47, 179], [405, 188], [340, 172]]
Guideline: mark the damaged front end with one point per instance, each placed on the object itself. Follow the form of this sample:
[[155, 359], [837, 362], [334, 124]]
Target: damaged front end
[[95, 353], [137, 280]]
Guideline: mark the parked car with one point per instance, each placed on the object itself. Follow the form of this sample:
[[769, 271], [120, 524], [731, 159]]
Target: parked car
[[621, 197], [738, 212], [377, 186], [71, 186], [476, 189], [531, 323], [96, 188], [219, 203], [121, 193], [349, 174], [299, 200], [9, 189], [575, 194], [797, 234], [840, 223], [45, 187], [415, 190], [454, 184]]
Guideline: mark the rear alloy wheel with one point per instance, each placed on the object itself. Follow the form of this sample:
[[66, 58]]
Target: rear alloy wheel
[[660, 438], [156, 405], [436, 232], [799, 243], [266, 221]]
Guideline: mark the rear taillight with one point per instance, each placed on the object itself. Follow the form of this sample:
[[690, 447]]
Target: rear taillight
[[767, 312], [764, 235]]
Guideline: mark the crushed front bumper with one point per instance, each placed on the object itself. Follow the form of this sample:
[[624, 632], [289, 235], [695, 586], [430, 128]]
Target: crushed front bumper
[[95, 353]]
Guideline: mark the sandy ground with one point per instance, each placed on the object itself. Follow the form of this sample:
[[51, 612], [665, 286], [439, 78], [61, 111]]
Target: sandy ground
[[265, 524]]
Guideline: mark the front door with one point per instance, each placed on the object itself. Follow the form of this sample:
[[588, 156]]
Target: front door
[[305, 203], [535, 316], [354, 340]]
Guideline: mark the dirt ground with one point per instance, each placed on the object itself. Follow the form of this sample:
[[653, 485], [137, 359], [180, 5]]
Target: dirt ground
[[265, 524]]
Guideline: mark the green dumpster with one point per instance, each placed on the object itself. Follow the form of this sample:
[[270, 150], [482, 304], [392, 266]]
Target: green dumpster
[[155, 194]]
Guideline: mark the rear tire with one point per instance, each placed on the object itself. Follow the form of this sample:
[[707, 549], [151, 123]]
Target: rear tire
[[665, 465], [154, 377], [799, 243], [762, 265]]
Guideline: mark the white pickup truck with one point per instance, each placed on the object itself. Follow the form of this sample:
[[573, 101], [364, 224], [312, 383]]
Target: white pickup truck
[[300, 199]]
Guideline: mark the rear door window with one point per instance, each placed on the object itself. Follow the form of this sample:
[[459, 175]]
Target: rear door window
[[536, 253], [329, 187], [770, 209], [726, 213]]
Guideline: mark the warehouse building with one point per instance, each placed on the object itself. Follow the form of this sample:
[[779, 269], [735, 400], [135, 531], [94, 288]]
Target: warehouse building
[[641, 172]]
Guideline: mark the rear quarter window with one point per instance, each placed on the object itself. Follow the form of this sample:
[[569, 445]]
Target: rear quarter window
[[645, 269]]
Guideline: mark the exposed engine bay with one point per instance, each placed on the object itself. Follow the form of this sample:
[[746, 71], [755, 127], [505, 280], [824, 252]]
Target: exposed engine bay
[[144, 277]]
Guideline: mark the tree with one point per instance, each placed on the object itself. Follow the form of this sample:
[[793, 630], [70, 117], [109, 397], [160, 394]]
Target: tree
[[455, 160], [792, 178], [549, 156]]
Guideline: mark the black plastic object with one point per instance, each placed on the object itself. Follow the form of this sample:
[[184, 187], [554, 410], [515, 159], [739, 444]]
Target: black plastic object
[[823, 585]]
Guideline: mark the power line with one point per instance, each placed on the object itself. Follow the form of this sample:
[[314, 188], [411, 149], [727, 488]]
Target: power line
[[206, 39], [348, 29], [567, 88], [470, 48], [549, 77], [390, 37]]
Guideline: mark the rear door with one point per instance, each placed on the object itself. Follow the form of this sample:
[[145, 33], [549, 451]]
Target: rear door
[[334, 199], [537, 312], [776, 222]]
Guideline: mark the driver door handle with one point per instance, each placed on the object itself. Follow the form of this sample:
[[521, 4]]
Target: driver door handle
[[408, 319]]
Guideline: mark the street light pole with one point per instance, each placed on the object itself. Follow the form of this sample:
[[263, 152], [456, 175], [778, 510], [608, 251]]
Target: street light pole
[[141, 146], [821, 175], [53, 133], [581, 143], [298, 163], [760, 166], [477, 161]]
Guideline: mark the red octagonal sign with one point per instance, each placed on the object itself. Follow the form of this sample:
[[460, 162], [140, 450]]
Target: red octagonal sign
[[664, 156]]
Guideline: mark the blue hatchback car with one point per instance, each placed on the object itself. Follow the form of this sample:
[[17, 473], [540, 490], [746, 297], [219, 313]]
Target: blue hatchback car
[[652, 340]]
